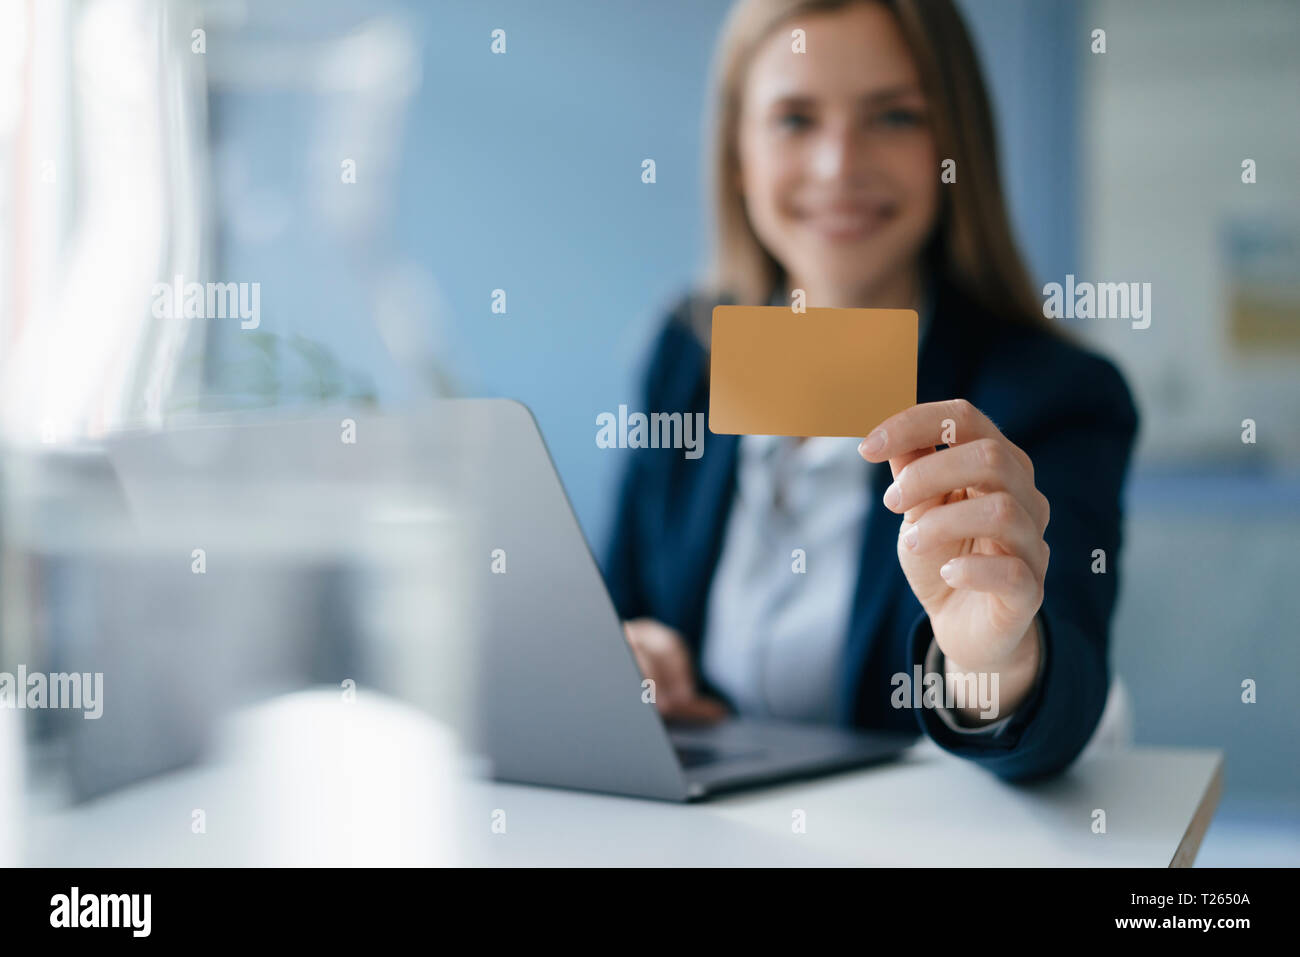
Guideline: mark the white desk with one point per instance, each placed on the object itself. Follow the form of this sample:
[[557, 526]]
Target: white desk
[[373, 805], [930, 809]]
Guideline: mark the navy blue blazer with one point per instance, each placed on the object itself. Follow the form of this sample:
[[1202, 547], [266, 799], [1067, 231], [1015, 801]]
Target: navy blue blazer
[[1068, 408]]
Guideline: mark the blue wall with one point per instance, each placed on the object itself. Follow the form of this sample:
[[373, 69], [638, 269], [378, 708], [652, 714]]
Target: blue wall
[[524, 173]]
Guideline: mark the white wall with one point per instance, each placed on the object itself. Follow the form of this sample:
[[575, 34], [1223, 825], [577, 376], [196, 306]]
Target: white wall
[[1185, 92]]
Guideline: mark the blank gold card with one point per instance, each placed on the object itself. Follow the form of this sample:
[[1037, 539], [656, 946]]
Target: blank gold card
[[774, 371]]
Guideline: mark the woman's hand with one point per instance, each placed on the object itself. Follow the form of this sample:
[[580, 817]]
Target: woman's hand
[[971, 541], [663, 657]]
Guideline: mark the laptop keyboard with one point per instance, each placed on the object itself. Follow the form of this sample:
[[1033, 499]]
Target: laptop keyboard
[[695, 755]]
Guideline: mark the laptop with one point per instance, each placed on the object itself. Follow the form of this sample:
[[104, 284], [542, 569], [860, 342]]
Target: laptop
[[547, 688], [559, 688]]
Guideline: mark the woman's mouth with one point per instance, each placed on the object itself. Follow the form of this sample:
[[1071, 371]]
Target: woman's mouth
[[847, 224]]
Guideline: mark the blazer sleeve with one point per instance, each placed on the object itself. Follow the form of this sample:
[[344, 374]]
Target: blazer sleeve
[[1080, 437]]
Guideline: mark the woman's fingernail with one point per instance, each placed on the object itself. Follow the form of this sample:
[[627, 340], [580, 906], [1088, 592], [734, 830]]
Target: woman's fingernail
[[910, 536], [893, 496], [873, 443], [947, 570]]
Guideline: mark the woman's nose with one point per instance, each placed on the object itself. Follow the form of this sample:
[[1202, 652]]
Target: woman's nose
[[837, 153]]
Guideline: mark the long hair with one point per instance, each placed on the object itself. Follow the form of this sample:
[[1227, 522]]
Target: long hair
[[971, 247]]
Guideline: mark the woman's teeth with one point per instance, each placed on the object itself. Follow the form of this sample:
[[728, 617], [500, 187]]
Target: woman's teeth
[[839, 224]]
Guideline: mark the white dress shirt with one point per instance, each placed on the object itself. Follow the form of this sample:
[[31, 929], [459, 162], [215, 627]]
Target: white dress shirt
[[775, 634]]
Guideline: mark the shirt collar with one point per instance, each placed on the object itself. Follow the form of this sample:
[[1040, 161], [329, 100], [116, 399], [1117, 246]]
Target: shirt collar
[[814, 454]]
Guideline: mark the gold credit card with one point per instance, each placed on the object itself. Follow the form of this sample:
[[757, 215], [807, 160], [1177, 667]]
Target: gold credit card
[[773, 371]]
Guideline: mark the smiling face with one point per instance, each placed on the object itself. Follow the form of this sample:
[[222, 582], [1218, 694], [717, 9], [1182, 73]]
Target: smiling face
[[838, 164]]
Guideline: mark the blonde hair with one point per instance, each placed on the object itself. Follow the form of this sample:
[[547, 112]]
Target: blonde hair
[[972, 246]]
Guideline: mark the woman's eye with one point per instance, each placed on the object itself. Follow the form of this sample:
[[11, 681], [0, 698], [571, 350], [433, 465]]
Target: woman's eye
[[794, 121], [898, 118]]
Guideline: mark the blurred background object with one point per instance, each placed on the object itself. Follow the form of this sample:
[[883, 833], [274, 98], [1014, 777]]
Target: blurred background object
[[386, 178], [259, 569], [107, 192]]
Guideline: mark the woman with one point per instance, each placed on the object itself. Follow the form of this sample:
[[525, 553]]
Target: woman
[[830, 176]]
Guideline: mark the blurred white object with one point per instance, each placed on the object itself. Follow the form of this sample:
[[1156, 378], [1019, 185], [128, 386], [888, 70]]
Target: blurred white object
[[344, 781], [306, 779], [114, 142]]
